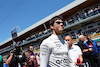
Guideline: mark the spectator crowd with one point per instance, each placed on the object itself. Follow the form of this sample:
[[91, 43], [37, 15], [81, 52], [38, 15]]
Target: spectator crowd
[[34, 36], [86, 14]]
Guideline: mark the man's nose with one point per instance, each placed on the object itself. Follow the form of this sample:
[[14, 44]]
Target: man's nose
[[61, 24]]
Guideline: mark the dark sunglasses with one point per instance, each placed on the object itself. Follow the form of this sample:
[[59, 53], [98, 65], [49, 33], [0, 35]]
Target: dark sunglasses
[[59, 22], [67, 40]]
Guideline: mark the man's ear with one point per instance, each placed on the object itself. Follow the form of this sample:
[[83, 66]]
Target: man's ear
[[51, 27]]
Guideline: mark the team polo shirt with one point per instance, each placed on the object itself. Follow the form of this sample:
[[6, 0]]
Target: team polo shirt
[[74, 52], [54, 52]]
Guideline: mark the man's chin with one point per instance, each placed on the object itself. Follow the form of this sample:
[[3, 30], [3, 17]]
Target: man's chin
[[61, 31]]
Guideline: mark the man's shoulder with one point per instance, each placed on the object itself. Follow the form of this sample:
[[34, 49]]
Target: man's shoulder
[[94, 41], [47, 40], [79, 42], [76, 46]]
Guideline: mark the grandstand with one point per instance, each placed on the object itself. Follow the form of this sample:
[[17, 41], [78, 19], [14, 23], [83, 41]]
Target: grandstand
[[81, 17]]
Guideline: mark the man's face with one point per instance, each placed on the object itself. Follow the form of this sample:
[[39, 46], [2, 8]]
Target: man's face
[[58, 26], [69, 40], [83, 38], [31, 48], [89, 38]]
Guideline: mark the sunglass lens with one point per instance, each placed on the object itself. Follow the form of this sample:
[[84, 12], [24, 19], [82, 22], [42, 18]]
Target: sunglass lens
[[59, 22]]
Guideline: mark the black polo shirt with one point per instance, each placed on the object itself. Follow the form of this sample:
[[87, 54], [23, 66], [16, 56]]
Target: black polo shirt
[[81, 45]]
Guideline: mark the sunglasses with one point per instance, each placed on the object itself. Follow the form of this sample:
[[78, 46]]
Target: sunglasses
[[67, 40], [60, 22]]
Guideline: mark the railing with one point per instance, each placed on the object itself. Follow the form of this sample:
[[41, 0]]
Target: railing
[[29, 40], [80, 18], [9, 48]]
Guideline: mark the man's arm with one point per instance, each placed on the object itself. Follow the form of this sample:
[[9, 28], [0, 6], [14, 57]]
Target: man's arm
[[97, 47], [81, 58], [8, 62], [44, 54], [86, 50]]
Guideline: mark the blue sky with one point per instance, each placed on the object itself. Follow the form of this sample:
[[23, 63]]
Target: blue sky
[[24, 13]]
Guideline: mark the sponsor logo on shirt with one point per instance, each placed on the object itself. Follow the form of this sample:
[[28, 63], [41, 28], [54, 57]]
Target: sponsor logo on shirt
[[62, 61], [60, 54]]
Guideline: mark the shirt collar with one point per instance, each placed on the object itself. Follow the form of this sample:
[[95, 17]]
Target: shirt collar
[[56, 36], [72, 46]]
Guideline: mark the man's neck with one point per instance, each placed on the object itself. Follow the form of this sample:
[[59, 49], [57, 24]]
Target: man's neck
[[53, 32], [70, 46]]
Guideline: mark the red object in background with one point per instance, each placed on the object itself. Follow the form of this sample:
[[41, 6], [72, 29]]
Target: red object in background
[[78, 60], [90, 44]]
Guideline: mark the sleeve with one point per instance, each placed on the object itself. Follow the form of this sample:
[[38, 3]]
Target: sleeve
[[79, 50], [44, 53], [97, 47]]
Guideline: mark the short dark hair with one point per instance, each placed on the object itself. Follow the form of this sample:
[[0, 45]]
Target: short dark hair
[[54, 19]]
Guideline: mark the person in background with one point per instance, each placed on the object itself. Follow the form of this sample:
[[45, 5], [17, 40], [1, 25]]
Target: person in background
[[99, 9], [96, 10], [66, 22], [1, 61], [95, 53], [84, 15], [12, 60], [91, 12], [32, 58], [85, 50], [78, 17], [75, 52], [71, 20]]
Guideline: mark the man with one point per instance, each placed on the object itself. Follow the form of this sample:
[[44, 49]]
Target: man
[[32, 57], [54, 50], [84, 49], [12, 60], [94, 54], [75, 52]]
